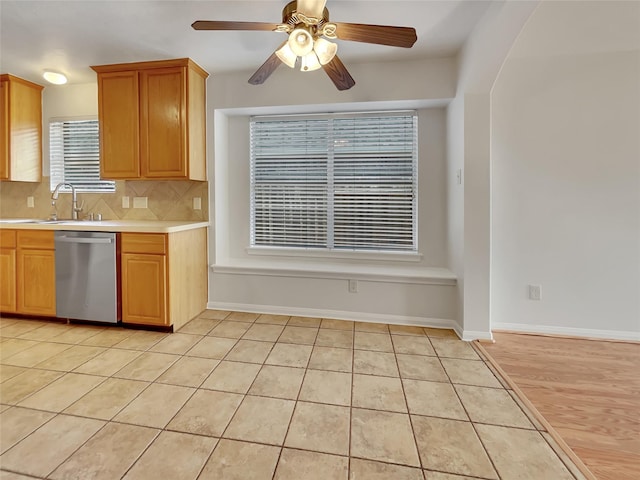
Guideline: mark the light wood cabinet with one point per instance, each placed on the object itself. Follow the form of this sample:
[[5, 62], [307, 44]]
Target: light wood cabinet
[[36, 273], [8, 271], [144, 278], [152, 120], [20, 130], [27, 272], [164, 277], [119, 120]]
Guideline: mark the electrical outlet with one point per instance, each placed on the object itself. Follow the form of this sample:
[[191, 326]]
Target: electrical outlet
[[139, 202], [353, 286], [30, 202], [197, 203], [125, 202], [535, 292]]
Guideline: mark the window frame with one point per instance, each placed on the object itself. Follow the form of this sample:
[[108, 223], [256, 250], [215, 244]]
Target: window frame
[[330, 249], [57, 164]]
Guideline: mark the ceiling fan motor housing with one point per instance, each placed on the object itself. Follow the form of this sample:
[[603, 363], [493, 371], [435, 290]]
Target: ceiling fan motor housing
[[291, 16]]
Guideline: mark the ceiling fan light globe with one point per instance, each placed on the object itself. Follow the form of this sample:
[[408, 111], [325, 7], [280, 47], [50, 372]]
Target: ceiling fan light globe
[[325, 50], [300, 42], [310, 62], [287, 56]]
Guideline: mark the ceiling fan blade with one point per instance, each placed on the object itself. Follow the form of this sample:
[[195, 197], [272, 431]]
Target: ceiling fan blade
[[222, 25], [266, 69], [338, 74], [380, 34], [311, 8]]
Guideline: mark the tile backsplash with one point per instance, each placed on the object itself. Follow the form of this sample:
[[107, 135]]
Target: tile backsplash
[[166, 200]]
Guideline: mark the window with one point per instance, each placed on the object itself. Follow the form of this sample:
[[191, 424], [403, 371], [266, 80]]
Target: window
[[74, 150], [335, 182]]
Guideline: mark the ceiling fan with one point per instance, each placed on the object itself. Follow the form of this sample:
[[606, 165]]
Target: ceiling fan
[[307, 24]]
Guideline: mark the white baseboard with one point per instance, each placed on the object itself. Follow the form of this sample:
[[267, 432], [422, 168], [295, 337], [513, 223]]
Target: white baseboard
[[340, 315], [469, 335], [568, 331]]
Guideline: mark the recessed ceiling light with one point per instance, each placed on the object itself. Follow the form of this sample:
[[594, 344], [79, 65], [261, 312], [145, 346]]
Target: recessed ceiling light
[[55, 77]]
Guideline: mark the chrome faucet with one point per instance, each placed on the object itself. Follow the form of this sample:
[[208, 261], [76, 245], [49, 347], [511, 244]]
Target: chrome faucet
[[75, 210]]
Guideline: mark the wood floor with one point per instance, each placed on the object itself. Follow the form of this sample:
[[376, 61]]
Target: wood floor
[[588, 390]]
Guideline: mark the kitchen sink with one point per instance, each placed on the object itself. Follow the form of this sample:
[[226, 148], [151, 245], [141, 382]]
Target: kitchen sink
[[47, 221], [17, 220], [52, 221], [43, 221]]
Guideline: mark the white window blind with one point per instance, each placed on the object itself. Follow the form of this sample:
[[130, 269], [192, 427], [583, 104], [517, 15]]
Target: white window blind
[[75, 155], [342, 182]]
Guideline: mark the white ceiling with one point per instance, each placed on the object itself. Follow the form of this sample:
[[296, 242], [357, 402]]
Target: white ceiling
[[69, 36]]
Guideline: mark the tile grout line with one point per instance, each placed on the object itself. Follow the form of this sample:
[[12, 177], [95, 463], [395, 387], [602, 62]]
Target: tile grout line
[[484, 448], [353, 362], [144, 450], [513, 394], [293, 412], [79, 447], [244, 396], [64, 373], [27, 436], [406, 402]]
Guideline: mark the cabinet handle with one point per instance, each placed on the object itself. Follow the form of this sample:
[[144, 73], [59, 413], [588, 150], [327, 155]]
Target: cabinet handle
[[83, 240]]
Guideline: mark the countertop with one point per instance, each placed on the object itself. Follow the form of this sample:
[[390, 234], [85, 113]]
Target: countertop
[[140, 226]]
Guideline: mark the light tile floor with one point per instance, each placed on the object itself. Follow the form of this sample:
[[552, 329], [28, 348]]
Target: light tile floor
[[239, 396]]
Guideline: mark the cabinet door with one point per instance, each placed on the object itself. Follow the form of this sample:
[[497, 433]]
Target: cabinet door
[[163, 129], [20, 130], [7, 280], [36, 282], [119, 125], [144, 284], [4, 130], [25, 120]]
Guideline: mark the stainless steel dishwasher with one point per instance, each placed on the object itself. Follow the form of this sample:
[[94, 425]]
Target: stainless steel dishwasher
[[86, 276]]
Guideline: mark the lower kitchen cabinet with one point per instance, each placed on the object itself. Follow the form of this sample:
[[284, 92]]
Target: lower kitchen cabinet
[[164, 277], [144, 287], [8, 271], [35, 273]]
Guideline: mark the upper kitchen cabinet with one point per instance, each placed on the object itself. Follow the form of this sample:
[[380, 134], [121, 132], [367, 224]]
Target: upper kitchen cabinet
[[20, 130], [152, 120]]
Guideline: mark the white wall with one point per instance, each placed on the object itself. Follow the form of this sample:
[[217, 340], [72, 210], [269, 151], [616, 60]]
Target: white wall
[[405, 292], [455, 200], [410, 81], [566, 173], [468, 140]]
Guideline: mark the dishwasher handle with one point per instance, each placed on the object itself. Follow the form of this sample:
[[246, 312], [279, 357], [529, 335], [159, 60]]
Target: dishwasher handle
[[63, 239]]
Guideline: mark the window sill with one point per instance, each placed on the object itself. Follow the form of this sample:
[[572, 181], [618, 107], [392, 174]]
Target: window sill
[[374, 273], [322, 254]]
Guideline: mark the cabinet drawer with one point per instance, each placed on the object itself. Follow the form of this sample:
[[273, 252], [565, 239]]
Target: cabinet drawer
[[144, 243], [8, 238], [36, 239]]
